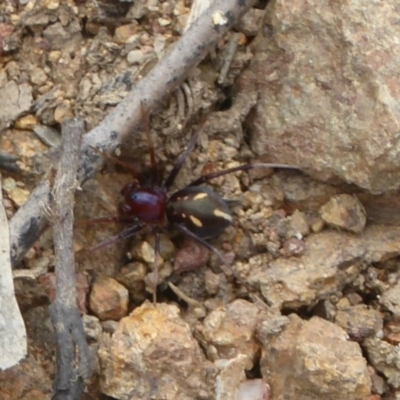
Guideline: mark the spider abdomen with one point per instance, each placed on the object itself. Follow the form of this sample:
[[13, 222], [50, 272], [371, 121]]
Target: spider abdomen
[[200, 210]]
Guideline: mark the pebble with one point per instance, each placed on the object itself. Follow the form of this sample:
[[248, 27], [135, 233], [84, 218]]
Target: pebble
[[108, 299], [135, 57], [345, 212]]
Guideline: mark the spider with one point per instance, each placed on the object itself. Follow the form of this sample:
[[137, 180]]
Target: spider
[[196, 211]]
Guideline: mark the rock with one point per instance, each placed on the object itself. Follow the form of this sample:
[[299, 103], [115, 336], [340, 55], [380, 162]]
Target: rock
[[191, 256], [331, 260], [124, 32], [253, 389], [385, 358], [313, 360], [19, 196], [379, 384], [230, 376], [19, 101], [298, 226], [392, 332], [108, 299], [38, 77], [92, 327], [359, 321], [132, 276], [391, 300], [293, 247], [27, 122], [135, 57], [213, 281], [63, 111], [345, 212], [327, 95], [152, 354], [143, 251], [251, 21], [230, 331], [27, 380], [167, 247]]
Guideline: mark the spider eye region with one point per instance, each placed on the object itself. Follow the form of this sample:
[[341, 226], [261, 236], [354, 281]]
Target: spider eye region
[[147, 204]]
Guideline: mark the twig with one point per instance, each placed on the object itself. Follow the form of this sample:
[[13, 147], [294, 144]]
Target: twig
[[191, 302], [70, 336], [230, 53], [9, 162], [166, 76]]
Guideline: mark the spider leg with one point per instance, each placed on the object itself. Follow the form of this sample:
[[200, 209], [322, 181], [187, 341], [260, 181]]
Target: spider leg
[[181, 159], [201, 241], [245, 167], [106, 220], [153, 162], [122, 235]]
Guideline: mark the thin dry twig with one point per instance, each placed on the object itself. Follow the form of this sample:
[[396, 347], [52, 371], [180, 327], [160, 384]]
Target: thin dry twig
[[166, 76], [70, 336]]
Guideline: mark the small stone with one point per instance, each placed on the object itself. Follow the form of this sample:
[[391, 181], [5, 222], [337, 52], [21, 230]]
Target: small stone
[[314, 360], [135, 57], [143, 251], [298, 225], [317, 224], [38, 76], [28, 122], [253, 389], [391, 300], [213, 281], [385, 358], [9, 184], [132, 276], [293, 247], [63, 111], [346, 212], [51, 4], [191, 256], [92, 327], [230, 376], [218, 151], [109, 326], [48, 135], [154, 344], [167, 248], [379, 384], [359, 321], [108, 299], [231, 331], [164, 21], [392, 332], [124, 32], [19, 196], [249, 24]]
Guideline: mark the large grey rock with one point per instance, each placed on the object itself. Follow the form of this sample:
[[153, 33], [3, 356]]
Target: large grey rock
[[327, 77]]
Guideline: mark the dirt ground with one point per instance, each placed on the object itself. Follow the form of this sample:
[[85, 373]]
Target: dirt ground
[[308, 269]]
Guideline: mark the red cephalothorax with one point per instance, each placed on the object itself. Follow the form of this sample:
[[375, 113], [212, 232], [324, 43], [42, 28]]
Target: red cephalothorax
[[147, 204]]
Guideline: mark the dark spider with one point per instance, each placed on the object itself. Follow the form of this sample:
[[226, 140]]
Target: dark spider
[[196, 211]]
